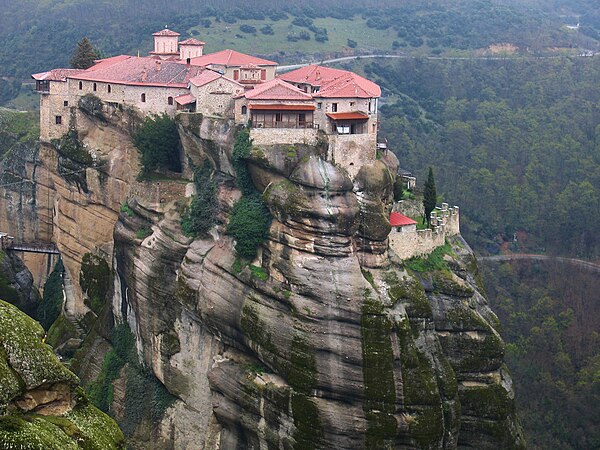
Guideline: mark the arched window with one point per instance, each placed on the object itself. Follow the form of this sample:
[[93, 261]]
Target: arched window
[[143, 98], [244, 109], [80, 85], [95, 87], [109, 89], [170, 100]]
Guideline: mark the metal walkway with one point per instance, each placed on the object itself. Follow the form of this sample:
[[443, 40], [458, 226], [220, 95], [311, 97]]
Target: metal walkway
[[8, 244]]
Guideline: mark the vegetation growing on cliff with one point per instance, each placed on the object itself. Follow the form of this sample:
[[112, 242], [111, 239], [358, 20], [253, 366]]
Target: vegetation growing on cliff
[[202, 214], [158, 141], [94, 280], [250, 218], [50, 307]]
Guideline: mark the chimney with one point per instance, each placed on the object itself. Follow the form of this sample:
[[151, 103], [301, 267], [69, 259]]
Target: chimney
[[158, 64], [144, 75]]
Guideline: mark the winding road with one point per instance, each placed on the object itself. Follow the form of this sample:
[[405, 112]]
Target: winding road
[[594, 267]]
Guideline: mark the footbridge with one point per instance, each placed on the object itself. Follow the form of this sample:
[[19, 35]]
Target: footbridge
[[9, 244]]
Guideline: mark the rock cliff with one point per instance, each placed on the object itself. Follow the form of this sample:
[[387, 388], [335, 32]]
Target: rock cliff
[[324, 340]]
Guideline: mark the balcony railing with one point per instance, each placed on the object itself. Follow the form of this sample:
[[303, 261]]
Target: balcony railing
[[283, 124]]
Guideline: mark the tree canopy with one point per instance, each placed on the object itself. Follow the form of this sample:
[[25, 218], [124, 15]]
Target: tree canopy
[[429, 196], [84, 55], [158, 141]]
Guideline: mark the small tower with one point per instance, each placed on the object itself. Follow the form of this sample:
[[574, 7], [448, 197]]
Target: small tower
[[190, 48], [165, 43]]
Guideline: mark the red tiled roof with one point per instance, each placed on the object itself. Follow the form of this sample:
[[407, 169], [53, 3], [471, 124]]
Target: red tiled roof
[[281, 107], [55, 74], [334, 83], [191, 41], [229, 58], [205, 77], [185, 99], [106, 62], [277, 89], [143, 71], [166, 32], [349, 85], [312, 74], [398, 220], [348, 116]]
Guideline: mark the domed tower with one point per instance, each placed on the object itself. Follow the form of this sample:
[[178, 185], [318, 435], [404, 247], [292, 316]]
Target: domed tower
[[190, 48], [165, 43]]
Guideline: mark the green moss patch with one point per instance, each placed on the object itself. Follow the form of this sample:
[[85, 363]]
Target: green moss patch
[[51, 305], [21, 338], [491, 402], [410, 293], [94, 280], [61, 331], [308, 434], [435, 260], [254, 328], [378, 374], [444, 283]]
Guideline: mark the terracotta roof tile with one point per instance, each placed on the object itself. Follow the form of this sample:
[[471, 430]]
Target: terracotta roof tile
[[398, 220], [185, 99], [166, 32], [277, 89], [229, 58], [55, 74], [191, 41], [142, 71], [334, 83], [348, 116]]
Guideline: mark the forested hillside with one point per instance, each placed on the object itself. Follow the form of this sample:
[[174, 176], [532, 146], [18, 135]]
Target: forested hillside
[[37, 35], [515, 143], [550, 318]]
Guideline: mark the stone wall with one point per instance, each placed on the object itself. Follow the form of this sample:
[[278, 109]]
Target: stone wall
[[272, 136], [365, 105], [52, 105], [407, 242], [352, 151], [216, 98]]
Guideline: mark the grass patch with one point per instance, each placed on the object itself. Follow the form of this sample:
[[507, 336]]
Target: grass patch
[[435, 260], [259, 272], [143, 233]]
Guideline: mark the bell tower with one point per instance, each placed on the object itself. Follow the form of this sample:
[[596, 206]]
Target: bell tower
[[166, 43]]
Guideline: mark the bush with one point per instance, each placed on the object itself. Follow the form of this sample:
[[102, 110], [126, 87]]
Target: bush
[[267, 29], [158, 142], [241, 150], [249, 225], [50, 307], [202, 214], [352, 44], [247, 29], [94, 280]]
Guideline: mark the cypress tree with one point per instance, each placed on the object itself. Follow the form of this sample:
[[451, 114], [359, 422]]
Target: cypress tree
[[429, 196], [84, 55]]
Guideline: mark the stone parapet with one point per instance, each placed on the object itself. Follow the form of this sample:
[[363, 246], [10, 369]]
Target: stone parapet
[[272, 136]]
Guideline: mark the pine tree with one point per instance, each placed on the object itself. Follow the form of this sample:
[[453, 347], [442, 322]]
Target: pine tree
[[429, 196], [84, 55]]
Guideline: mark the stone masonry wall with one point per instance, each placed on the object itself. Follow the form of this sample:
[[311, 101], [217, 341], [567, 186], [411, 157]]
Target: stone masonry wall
[[408, 243], [272, 136], [352, 151]]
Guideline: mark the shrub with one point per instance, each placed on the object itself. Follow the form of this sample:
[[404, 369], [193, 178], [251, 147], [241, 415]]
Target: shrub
[[94, 280], [249, 225], [50, 307], [241, 150], [352, 44], [267, 29], [202, 214], [158, 141], [247, 29]]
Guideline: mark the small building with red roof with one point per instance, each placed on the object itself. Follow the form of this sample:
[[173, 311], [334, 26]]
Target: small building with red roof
[[402, 223], [245, 69], [214, 94]]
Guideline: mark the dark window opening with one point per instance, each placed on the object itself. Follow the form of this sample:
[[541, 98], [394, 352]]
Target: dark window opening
[[170, 100], [334, 107], [244, 109], [143, 98], [319, 105], [66, 103], [58, 120], [95, 87], [80, 85], [109, 88]]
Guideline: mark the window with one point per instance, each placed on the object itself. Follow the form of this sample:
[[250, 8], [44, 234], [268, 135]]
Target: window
[[244, 110], [236, 74], [109, 88], [58, 120], [170, 100], [263, 74], [334, 107], [143, 98], [80, 85], [319, 105], [66, 103], [352, 104], [95, 87]]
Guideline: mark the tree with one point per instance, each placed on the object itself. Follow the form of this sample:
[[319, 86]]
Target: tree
[[158, 142], [84, 55], [429, 196]]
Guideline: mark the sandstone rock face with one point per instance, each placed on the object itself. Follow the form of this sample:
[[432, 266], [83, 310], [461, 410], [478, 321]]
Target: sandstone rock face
[[323, 341], [40, 406]]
